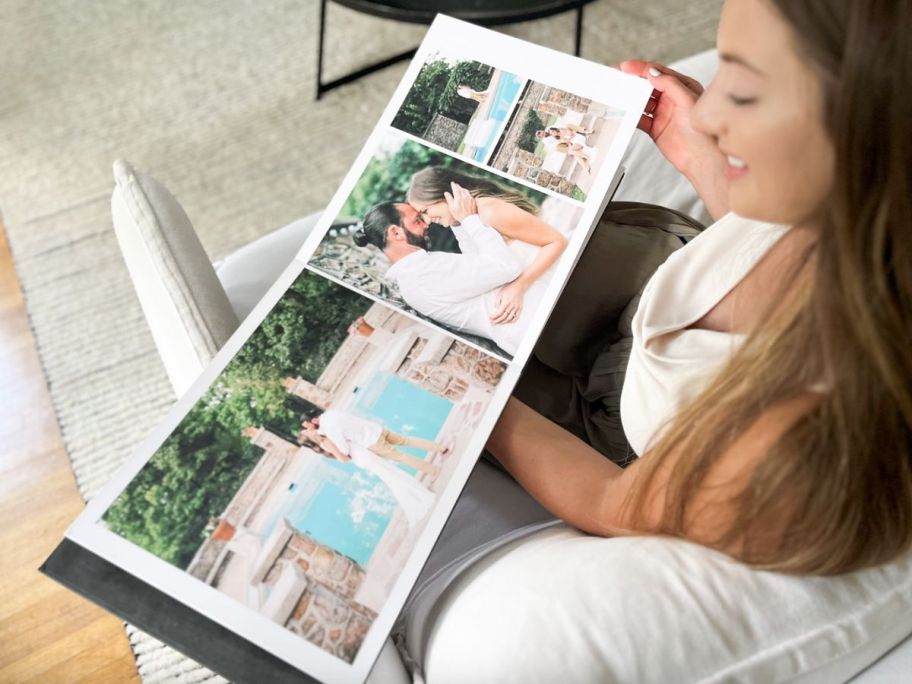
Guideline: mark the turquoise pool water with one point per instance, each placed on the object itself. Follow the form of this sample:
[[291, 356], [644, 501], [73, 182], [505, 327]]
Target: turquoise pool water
[[402, 407], [502, 102], [339, 504]]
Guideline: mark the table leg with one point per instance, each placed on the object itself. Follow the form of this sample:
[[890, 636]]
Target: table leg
[[323, 88], [320, 49], [579, 30]]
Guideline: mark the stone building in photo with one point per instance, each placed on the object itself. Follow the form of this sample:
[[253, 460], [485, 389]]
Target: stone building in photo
[[287, 576], [423, 355]]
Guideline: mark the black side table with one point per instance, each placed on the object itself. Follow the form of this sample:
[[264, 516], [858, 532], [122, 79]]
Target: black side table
[[483, 12]]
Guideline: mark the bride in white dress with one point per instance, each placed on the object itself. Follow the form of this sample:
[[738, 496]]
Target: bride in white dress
[[536, 244], [413, 498]]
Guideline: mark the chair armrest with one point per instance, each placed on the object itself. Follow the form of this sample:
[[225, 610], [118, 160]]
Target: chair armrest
[[249, 272]]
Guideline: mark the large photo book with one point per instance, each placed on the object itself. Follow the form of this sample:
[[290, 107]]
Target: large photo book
[[274, 523]]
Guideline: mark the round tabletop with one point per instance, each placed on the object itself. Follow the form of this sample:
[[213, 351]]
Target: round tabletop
[[484, 12]]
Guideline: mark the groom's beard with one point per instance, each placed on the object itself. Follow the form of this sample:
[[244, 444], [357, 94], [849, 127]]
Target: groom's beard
[[416, 240], [441, 239]]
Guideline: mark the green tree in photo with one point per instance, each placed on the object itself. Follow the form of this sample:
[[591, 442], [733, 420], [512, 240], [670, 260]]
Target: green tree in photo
[[473, 74], [197, 471], [192, 477], [419, 105], [528, 141], [304, 329], [434, 92], [388, 178]]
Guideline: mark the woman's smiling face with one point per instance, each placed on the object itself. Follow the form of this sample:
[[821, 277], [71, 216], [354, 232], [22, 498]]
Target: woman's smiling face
[[438, 212], [765, 110]]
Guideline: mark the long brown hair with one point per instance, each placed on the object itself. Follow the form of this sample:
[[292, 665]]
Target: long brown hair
[[428, 186], [842, 474], [314, 445]]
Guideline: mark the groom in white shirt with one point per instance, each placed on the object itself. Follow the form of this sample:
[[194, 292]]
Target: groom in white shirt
[[458, 290]]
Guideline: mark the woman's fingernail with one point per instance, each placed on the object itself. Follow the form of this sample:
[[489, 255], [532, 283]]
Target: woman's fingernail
[[654, 72]]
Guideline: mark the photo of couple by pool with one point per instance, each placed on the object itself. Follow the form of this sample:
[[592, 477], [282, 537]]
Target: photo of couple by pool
[[460, 105], [467, 249], [300, 481], [556, 139]]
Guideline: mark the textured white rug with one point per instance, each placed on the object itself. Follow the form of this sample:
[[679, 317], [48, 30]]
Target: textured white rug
[[216, 100]]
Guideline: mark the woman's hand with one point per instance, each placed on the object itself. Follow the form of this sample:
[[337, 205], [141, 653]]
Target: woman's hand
[[509, 303], [461, 203], [667, 115], [667, 121]]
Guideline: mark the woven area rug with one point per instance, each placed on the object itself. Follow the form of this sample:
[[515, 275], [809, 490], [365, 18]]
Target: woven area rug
[[217, 101]]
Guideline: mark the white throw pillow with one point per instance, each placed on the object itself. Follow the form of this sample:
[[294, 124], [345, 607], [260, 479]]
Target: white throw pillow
[[186, 308], [562, 606]]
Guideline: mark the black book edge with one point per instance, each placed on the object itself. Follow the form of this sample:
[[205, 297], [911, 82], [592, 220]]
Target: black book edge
[[166, 618]]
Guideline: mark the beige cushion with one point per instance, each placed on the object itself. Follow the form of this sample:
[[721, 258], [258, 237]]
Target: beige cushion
[[187, 310], [562, 606]]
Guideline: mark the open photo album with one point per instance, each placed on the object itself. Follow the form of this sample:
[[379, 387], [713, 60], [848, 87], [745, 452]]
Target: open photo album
[[291, 497]]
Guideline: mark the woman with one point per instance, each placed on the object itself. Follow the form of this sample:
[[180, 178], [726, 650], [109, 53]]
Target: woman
[[570, 140], [413, 498], [791, 451], [536, 244]]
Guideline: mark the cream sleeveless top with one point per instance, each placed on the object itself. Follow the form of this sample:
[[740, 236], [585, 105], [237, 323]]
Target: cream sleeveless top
[[668, 362]]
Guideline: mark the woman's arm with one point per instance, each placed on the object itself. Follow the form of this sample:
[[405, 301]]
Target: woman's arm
[[559, 470], [333, 450], [518, 224], [583, 488]]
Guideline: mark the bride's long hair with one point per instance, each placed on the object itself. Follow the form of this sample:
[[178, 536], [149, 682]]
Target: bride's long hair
[[428, 186], [315, 446], [839, 481]]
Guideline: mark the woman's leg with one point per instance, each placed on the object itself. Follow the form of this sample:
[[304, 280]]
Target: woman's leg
[[576, 151], [387, 450], [563, 399], [411, 441]]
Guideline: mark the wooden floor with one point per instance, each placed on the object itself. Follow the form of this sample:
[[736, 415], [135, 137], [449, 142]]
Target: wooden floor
[[47, 633]]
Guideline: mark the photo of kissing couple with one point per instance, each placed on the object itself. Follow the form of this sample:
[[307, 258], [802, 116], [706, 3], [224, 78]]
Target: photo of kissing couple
[[469, 250]]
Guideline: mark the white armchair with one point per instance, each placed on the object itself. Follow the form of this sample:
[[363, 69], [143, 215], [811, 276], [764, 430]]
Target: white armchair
[[555, 603]]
